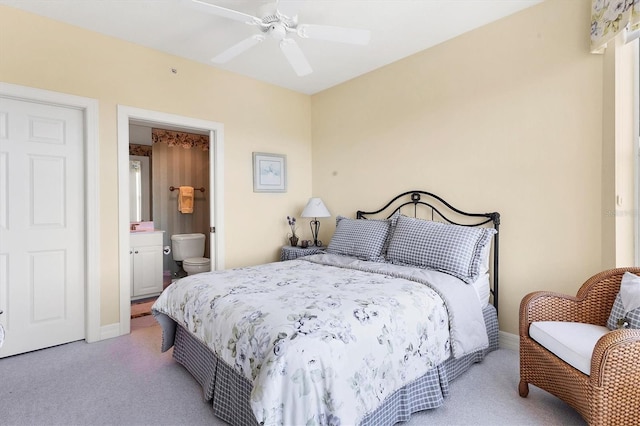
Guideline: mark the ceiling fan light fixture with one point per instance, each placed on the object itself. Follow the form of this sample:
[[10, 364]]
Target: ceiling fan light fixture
[[278, 31]]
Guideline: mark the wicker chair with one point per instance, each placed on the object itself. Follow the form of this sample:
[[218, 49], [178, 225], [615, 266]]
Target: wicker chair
[[610, 395]]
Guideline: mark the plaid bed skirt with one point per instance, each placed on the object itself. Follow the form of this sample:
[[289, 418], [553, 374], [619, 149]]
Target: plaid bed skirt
[[229, 392]]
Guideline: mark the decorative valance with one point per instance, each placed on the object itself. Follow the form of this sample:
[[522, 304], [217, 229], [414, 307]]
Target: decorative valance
[[183, 139], [609, 18], [143, 150]]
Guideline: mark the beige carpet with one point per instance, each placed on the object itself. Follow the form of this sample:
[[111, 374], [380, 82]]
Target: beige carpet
[[128, 381]]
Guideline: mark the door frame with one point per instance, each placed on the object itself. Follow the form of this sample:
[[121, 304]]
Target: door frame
[[89, 108], [216, 181]]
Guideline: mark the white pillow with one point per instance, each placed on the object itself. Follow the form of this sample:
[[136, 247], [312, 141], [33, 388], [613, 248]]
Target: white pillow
[[484, 259]]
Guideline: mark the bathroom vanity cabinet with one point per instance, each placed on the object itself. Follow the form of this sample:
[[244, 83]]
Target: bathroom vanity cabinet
[[146, 264]]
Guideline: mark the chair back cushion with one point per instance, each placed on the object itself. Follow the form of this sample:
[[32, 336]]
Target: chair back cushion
[[625, 312]]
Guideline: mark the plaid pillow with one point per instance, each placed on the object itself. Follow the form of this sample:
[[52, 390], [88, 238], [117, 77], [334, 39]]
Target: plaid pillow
[[393, 221], [454, 249], [361, 238], [621, 317]]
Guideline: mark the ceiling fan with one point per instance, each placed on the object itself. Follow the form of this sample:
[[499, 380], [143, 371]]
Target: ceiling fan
[[280, 26]]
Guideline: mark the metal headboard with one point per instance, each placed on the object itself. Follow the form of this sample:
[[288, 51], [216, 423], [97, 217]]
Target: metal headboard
[[443, 211]]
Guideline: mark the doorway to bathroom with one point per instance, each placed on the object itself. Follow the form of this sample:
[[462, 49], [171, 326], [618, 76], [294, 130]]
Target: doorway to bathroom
[[213, 194], [162, 160]]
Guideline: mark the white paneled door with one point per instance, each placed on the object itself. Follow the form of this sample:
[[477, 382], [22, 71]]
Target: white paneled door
[[42, 222]]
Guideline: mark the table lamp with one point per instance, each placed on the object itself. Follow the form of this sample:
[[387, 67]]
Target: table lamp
[[315, 208]]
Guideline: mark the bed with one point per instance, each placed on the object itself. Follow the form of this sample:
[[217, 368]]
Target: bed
[[367, 332]]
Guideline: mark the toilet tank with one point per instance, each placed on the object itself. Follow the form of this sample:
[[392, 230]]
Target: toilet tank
[[185, 246]]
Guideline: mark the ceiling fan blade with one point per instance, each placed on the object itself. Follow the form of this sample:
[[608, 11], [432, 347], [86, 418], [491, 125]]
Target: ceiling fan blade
[[338, 34], [296, 58], [238, 48], [224, 12]]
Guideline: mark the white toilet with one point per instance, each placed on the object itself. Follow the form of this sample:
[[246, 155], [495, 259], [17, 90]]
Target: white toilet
[[188, 251]]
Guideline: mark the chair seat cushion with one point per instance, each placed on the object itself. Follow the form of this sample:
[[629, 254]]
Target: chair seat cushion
[[572, 342]]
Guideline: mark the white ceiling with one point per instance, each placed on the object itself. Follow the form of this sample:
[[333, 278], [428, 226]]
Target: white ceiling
[[399, 28]]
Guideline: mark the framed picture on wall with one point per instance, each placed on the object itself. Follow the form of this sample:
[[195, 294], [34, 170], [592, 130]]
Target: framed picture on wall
[[269, 172]]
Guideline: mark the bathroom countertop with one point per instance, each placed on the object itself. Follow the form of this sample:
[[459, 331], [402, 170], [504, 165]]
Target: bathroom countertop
[[145, 231]]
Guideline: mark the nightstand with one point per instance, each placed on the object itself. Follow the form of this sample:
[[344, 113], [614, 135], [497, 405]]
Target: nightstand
[[291, 253]]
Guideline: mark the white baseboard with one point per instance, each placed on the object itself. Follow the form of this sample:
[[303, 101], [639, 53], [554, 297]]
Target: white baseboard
[[109, 331], [508, 341]]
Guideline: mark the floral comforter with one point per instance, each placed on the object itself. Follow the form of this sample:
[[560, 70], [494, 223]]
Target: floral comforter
[[322, 342]]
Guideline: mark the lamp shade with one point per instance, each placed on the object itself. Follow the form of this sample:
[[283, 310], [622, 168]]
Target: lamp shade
[[315, 208]]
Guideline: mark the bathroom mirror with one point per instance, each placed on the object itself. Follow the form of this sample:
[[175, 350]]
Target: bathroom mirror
[[139, 188]]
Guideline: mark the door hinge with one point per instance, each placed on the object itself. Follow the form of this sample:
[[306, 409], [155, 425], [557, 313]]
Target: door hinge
[[212, 229]]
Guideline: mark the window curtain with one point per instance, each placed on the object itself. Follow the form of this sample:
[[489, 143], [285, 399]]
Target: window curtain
[[611, 17], [183, 139]]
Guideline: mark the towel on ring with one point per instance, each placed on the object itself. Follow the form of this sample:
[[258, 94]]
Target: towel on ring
[[185, 199]]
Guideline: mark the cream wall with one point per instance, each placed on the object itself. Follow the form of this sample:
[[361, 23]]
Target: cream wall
[[46, 54], [505, 118]]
